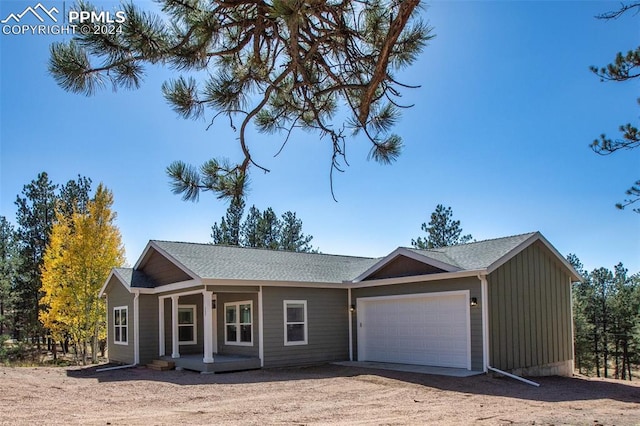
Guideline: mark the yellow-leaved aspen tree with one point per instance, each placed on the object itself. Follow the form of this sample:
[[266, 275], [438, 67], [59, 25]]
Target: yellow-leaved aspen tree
[[82, 251]]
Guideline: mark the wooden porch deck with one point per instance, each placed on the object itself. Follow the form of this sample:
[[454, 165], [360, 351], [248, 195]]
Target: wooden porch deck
[[220, 364]]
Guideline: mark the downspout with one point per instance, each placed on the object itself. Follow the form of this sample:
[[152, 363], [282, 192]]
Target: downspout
[[136, 328], [117, 367], [513, 376], [573, 336], [350, 324], [260, 327], [484, 306]]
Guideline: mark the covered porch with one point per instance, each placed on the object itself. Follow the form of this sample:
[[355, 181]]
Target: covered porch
[[211, 329], [221, 363]]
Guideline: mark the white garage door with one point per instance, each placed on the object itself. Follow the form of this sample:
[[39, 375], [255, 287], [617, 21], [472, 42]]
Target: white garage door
[[424, 329]]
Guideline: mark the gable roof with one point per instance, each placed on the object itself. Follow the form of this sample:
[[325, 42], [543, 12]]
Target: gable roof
[[218, 262], [208, 261], [478, 254], [482, 256]]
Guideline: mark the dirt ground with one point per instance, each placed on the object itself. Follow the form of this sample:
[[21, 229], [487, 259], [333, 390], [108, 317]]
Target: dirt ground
[[324, 394]]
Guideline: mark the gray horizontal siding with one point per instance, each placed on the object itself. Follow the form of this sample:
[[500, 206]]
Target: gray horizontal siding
[[472, 284], [198, 348], [148, 317], [117, 295], [327, 323], [223, 348]]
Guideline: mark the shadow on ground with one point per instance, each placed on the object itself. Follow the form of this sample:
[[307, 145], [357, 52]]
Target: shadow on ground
[[552, 389]]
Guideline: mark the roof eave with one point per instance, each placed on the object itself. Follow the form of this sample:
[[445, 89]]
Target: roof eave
[[402, 251], [419, 278], [167, 255], [114, 273], [536, 236]]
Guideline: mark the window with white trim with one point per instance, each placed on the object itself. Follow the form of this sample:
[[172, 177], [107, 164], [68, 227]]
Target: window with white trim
[[187, 332], [238, 323], [120, 325], [295, 322]]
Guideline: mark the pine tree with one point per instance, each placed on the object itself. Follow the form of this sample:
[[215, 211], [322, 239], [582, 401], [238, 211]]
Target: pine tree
[[269, 230], [35, 216], [250, 236], [74, 196], [583, 327], [262, 229], [278, 65], [8, 269], [228, 232], [442, 230], [82, 251], [291, 236], [623, 68], [625, 314]]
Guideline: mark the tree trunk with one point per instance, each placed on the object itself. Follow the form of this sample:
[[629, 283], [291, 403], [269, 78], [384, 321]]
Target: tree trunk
[[617, 359], [625, 356], [2, 316], [596, 354], [94, 348]]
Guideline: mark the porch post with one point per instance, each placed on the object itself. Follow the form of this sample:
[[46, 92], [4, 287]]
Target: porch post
[[208, 326], [161, 349], [174, 327]]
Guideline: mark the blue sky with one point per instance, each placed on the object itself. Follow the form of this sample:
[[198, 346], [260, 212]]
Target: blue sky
[[500, 131]]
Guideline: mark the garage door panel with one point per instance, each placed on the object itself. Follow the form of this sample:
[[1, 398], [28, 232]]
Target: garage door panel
[[428, 329]]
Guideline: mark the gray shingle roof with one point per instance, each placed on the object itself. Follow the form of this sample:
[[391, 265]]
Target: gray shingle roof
[[209, 261], [476, 255], [135, 278], [238, 263]]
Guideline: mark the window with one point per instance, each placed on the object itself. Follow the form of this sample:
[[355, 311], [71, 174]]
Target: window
[[238, 321], [120, 328], [187, 325], [295, 322]]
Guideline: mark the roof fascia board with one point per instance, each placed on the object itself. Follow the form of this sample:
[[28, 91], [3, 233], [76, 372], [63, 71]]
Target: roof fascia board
[[116, 274], [106, 283], [402, 251], [537, 236], [182, 293], [173, 286], [572, 272], [264, 283], [419, 278], [142, 256], [511, 253]]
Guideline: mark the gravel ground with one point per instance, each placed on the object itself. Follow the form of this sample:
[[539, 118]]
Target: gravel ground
[[326, 394]]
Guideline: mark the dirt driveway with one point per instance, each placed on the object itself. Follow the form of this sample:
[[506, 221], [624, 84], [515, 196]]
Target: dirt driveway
[[323, 394]]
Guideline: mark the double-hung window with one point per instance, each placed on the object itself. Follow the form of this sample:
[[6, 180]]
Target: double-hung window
[[238, 323], [295, 322], [120, 327], [187, 333]]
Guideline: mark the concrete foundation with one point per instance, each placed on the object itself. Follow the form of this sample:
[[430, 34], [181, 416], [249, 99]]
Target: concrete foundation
[[562, 368]]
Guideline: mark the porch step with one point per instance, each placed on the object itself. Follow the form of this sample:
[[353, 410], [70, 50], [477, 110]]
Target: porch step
[[161, 365]]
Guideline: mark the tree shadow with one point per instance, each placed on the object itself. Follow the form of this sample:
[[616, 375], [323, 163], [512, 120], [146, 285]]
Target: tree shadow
[[552, 389]]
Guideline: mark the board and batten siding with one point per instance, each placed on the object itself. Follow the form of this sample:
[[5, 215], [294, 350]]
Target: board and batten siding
[[117, 296], [327, 326], [471, 283], [530, 311]]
